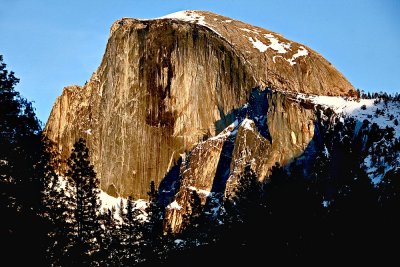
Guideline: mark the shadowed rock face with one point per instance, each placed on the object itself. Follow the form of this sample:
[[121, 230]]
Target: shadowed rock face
[[163, 84], [288, 129]]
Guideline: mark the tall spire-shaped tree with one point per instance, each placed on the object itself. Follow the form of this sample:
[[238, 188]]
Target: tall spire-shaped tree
[[87, 201], [20, 179]]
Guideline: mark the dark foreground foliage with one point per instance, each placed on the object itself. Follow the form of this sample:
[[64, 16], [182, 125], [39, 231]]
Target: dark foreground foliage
[[319, 210]]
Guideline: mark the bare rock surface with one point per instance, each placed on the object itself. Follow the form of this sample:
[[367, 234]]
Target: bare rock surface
[[165, 85]]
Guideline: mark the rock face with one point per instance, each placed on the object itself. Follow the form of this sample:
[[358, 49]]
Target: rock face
[[166, 84], [279, 132]]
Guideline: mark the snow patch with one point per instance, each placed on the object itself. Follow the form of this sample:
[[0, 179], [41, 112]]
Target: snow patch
[[371, 110], [325, 203], [227, 132], [301, 52], [373, 173], [186, 15], [361, 109], [276, 45], [258, 44], [109, 202], [179, 242], [248, 124], [326, 152], [141, 204], [189, 16], [174, 205], [200, 191], [246, 30]]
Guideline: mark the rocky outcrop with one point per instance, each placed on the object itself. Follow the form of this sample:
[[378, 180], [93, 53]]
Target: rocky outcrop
[[165, 84], [280, 132]]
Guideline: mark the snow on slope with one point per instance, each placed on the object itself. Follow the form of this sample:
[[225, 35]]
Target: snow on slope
[[362, 109], [301, 52], [108, 202], [185, 15], [258, 44], [278, 46], [231, 130], [189, 16], [174, 205], [376, 111], [248, 124], [275, 44], [200, 191]]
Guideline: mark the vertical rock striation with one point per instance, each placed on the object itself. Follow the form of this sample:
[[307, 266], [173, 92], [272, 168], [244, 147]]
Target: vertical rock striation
[[166, 84]]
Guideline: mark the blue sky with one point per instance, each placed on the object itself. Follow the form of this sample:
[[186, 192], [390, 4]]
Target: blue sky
[[51, 44]]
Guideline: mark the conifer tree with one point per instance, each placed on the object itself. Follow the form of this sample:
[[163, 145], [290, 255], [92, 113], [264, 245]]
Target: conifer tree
[[121, 210], [87, 203], [132, 233], [112, 252], [153, 228], [57, 207], [242, 209], [246, 197], [20, 179], [192, 219]]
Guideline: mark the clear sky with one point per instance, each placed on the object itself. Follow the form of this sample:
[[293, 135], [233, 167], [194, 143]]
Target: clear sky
[[54, 43]]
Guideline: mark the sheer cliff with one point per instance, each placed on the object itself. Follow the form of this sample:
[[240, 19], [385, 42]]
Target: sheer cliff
[[165, 85]]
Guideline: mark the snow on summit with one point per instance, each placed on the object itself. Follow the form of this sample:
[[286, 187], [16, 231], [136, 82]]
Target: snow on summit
[[276, 45], [189, 16], [185, 15], [259, 41], [301, 52], [258, 44]]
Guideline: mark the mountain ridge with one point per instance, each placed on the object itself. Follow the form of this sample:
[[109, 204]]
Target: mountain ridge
[[245, 39]]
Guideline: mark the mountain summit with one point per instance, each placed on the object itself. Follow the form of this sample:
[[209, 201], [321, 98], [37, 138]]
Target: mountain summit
[[166, 85], [270, 58]]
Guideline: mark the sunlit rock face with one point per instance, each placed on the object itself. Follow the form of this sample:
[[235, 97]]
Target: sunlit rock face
[[165, 85]]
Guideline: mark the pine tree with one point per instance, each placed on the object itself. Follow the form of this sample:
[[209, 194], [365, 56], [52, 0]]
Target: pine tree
[[57, 207], [242, 207], [20, 179], [132, 234], [87, 203], [112, 252], [153, 228], [192, 220], [246, 197], [121, 210]]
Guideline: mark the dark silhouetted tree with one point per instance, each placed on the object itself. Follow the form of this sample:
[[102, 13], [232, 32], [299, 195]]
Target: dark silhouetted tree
[[153, 228], [132, 233], [87, 204], [21, 227], [192, 220], [58, 207]]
